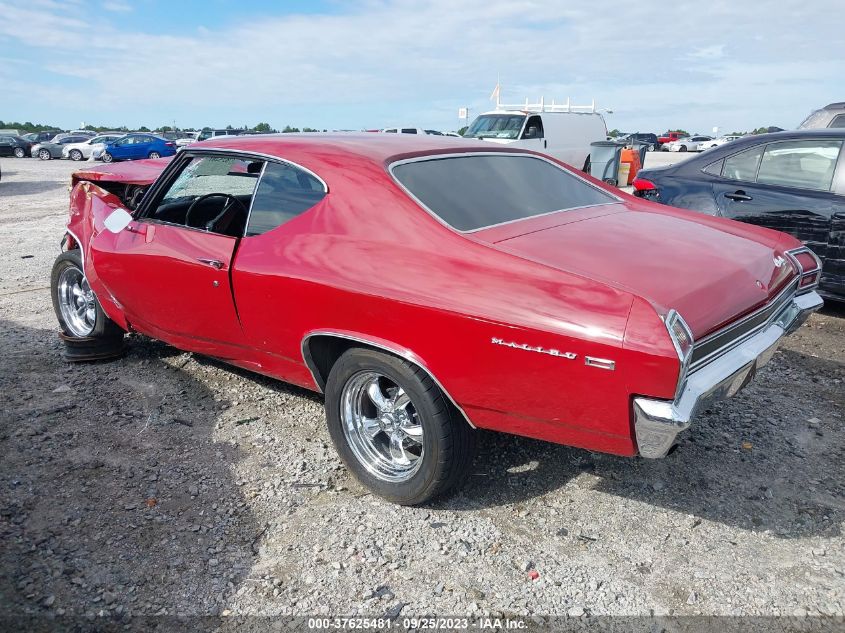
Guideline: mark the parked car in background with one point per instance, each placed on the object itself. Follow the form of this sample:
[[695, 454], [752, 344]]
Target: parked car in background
[[53, 149], [832, 115], [185, 138], [640, 137], [137, 145], [536, 302], [790, 181], [666, 138], [15, 146], [715, 142], [403, 130], [83, 132], [561, 131], [43, 135], [687, 144], [84, 149], [208, 133]]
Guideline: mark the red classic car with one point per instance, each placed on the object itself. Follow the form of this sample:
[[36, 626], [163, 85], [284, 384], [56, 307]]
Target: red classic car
[[429, 286]]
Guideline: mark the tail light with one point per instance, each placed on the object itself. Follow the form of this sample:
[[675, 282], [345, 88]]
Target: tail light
[[641, 184], [169, 144], [809, 267]]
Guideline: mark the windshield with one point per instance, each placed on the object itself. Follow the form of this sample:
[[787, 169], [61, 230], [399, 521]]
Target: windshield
[[496, 126]]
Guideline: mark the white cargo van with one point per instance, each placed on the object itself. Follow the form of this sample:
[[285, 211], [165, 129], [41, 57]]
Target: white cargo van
[[563, 131]]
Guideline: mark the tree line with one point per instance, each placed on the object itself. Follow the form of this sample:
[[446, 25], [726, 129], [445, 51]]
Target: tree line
[[29, 126]]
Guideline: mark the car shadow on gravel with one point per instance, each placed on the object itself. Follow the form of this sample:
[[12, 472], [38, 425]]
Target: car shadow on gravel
[[26, 187], [771, 459], [114, 496]]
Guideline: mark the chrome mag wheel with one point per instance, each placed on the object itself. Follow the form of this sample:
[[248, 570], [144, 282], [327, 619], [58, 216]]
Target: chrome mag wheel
[[76, 302], [44, 154], [382, 426]]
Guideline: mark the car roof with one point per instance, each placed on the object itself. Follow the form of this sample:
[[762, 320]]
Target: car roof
[[327, 148]]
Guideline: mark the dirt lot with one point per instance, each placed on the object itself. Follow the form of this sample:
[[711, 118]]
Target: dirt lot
[[166, 483]]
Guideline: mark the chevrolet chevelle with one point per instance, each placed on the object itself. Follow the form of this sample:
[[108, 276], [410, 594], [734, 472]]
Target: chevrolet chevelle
[[430, 286]]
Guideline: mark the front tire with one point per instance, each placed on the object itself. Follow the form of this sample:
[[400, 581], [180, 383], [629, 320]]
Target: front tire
[[44, 154], [395, 429], [87, 332], [106, 157], [75, 154], [682, 148], [19, 153]]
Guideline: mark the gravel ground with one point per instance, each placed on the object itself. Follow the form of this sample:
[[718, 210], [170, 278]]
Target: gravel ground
[[167, 483]]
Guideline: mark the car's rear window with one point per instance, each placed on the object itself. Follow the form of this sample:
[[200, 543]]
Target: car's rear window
[[481, 190]]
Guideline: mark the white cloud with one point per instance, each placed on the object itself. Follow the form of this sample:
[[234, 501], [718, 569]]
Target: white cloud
[[117, 6], [405, 61]]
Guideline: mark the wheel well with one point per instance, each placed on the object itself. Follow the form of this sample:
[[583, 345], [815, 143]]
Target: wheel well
[[321, 352]]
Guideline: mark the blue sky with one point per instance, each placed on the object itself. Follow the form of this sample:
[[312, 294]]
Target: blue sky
[[379, 63]]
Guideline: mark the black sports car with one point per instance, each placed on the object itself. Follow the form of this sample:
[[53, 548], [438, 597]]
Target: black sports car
[[789, 181], [14, 146]]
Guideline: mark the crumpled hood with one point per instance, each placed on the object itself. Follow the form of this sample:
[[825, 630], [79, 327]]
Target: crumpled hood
[[710, 276], [135, 172]]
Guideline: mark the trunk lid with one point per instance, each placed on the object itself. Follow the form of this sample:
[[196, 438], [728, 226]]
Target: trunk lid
[[709, 275], [136, 172]]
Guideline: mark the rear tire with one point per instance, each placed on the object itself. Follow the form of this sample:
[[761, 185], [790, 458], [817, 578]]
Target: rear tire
[[106, 157], [154, 155], [75, 154], [19, 153], [433, 456], [87, 332], [44, 154]]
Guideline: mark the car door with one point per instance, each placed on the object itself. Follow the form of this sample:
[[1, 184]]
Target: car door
[[533, 136], [142, 147], [785, 185], [7, 146], [170, 269]]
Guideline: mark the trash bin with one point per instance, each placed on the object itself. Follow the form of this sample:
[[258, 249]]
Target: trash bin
[[631, 159], [604, 160], [642, 148]]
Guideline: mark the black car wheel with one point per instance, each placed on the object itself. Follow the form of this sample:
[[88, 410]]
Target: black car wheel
[[87, 332], [19, 153], [154, 155], [682, 148], [395, 429], [106, 157]]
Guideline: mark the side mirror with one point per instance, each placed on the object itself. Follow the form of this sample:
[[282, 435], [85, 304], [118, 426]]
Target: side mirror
[[117, 220], [532, 132]]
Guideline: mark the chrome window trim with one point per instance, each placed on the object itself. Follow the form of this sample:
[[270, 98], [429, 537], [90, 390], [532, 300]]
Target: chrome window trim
[[185, 156], [269, 157], [417, 159], [398, 350], [252, 199]]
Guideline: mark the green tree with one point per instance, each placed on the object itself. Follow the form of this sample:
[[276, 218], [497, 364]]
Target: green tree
[[263, 127], [614, 133], [143, 128], [462, 130], [290, 129]]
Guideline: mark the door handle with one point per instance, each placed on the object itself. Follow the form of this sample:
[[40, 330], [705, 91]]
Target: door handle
[[738, 195], [214, 263], [545, 143]]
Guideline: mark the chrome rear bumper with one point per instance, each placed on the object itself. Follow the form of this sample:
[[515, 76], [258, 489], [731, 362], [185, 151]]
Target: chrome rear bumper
[[658, 422]]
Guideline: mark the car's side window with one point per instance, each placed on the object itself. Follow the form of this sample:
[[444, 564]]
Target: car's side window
[[534, 128], [838, 121], [284, 192], [803, 164], [211, 193], [743, 166], [714, 169]]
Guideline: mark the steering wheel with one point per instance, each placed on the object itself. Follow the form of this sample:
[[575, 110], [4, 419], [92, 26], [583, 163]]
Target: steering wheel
[[231, 201]]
